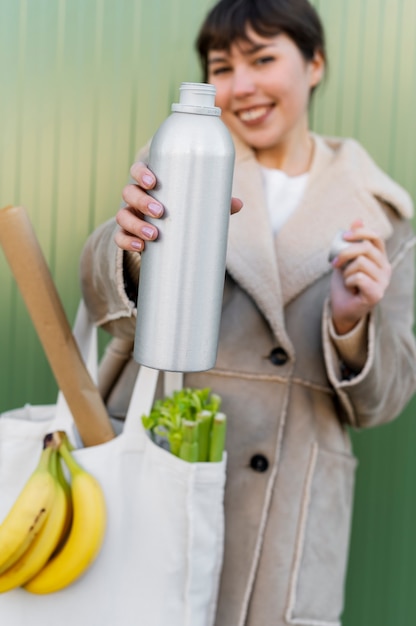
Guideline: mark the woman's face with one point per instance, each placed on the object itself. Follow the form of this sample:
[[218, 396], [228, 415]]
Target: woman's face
[[263, 87]]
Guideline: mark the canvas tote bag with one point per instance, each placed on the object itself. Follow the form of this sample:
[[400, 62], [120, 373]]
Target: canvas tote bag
[[161, 558]]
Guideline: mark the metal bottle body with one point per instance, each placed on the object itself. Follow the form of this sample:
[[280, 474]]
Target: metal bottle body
[[182, 272]]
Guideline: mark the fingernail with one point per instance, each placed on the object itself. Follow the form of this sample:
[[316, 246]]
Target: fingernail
[[147, 179], [155, 209], [148, 231], [136, 245]]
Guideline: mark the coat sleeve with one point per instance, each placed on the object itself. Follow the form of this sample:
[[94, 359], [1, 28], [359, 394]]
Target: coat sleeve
[[104, 272], [387, 381]]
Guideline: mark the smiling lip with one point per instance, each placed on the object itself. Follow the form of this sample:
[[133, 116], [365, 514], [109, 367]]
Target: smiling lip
[[254, 115]]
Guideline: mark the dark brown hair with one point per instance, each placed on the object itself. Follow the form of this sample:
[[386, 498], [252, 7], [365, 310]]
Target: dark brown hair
[[228, 21]]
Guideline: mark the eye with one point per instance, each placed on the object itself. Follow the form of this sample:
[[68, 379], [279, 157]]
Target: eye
[[264, 60], [221, 69]]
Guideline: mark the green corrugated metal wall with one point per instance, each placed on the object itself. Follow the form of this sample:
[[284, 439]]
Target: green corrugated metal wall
[[371, 95], [83, 83]]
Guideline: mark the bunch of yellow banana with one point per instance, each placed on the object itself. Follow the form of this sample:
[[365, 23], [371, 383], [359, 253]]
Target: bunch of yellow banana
[[55, 529]]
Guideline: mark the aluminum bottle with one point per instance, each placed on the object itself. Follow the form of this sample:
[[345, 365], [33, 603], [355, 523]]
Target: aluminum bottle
[[182, 272]]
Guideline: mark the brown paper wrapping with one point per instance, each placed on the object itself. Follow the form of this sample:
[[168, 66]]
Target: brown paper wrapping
[[42, 300]]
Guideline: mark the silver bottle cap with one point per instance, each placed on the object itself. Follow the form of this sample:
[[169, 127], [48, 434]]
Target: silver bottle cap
[[338, 244], [196, 98]]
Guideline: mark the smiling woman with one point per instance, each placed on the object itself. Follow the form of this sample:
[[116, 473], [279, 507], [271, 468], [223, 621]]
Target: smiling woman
[[265, 64], [263, 89], [342, 332], [291, 384]]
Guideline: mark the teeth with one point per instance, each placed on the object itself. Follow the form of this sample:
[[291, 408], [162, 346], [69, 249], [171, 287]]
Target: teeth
[[252, 114]]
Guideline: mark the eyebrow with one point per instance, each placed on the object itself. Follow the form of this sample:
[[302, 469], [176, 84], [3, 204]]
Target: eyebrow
[[252, 50]]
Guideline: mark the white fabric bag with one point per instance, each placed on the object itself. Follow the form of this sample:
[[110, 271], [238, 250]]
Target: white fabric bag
[[162, 553]]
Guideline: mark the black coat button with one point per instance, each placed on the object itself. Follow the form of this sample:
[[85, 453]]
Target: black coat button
[[278, 356], [259, 463]]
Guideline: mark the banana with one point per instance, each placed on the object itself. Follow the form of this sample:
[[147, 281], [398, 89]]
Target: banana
[[46, 541], [68, 497], [86, 534], [28, 514]]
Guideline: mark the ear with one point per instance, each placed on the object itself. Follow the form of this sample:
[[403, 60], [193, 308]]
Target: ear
[[317, 69]]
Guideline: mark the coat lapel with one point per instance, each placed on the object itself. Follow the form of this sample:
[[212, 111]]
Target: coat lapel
[[344, 185], [251, 258]]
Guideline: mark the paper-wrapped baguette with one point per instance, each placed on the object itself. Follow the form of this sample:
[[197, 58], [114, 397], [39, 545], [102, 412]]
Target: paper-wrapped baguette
[[32, 275]]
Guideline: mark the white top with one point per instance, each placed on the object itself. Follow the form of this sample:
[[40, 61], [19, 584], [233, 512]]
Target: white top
[[283, 194]]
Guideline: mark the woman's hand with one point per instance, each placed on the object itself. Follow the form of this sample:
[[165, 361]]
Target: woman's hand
[[134, 229], [361, 275]]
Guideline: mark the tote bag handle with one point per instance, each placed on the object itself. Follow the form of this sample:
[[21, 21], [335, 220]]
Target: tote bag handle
[[143, 395]]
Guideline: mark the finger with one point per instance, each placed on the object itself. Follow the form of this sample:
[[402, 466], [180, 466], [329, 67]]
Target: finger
[[236, 205], [125, 241], [132, 224], [359, 233], [139, 200], [375, 265], [142, 175], [362, 285], [366, 276], [363, 248]]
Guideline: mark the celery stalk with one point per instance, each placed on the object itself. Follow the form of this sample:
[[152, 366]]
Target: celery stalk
[[218, 432], [189, 446], [204, 419], [175, 440]]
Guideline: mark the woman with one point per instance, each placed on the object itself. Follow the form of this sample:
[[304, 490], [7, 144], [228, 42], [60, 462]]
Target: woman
[[307, 348]]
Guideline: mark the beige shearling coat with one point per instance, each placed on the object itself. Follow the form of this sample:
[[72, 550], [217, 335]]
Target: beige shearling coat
[[291, 470]]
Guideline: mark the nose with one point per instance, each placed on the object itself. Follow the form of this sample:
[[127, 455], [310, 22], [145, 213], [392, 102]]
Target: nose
[[243, 84]]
